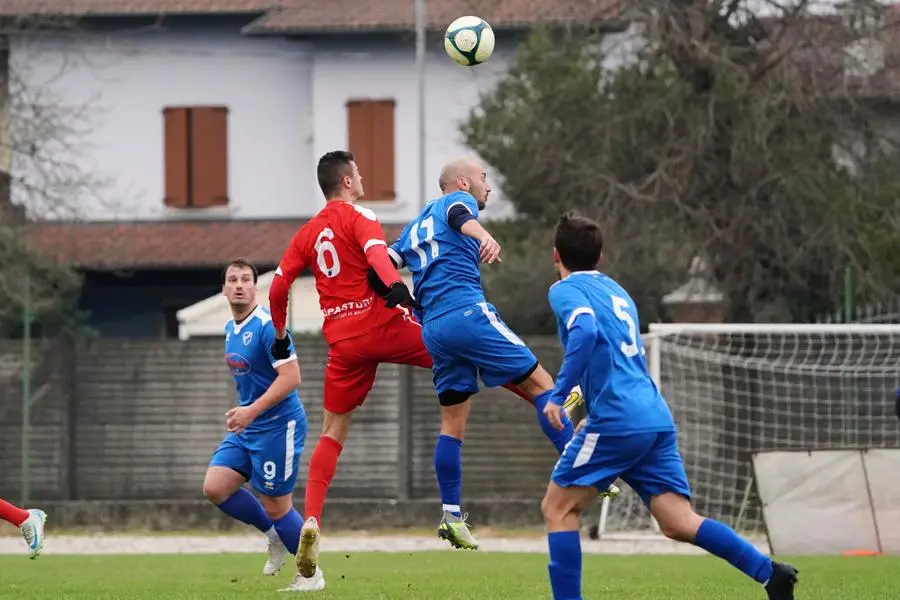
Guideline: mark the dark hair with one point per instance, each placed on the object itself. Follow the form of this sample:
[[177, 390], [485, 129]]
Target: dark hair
[[241, 263], [334, 166], [579, 242]]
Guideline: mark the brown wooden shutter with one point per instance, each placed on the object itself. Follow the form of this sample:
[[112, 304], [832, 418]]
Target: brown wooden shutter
[[176, 150], [209, 156], [370, 132], [359, 139], [382, 180]]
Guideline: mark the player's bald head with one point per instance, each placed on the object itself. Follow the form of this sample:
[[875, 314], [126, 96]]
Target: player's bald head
[[461, 167]]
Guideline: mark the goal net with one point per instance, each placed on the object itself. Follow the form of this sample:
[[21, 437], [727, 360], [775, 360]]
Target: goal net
[[736, 389]]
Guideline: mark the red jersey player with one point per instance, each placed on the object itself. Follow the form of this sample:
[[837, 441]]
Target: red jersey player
[[340, 244]]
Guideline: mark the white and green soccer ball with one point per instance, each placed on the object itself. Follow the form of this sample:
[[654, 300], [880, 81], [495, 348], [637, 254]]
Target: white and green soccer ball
[[469, 41]]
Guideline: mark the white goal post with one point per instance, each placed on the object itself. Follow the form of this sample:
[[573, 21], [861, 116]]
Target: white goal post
[[741, 389]]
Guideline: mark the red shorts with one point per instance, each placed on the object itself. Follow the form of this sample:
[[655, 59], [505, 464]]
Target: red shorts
[[352, 363]]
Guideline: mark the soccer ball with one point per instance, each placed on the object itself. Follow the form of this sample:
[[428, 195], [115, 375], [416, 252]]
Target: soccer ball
[[469, 41]]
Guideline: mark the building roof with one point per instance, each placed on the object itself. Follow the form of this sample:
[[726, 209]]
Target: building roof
[[80, 8], [131, 245], [310, 16]]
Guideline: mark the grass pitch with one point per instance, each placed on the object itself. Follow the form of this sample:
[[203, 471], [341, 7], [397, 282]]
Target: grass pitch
[[427, 576]]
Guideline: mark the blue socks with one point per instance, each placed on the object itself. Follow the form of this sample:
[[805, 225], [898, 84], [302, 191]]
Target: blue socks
[[722, 541], [714, 537], [448, 455], [448, 468], [559, 438], [288, 528], [565, 565], [245, 507]]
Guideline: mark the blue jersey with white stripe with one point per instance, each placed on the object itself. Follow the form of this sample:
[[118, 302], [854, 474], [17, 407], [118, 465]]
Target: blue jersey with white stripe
[[445, 263], [248, 354], [620, 396]]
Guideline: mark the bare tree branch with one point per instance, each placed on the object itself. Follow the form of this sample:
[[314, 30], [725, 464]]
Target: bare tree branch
[[43, 143]]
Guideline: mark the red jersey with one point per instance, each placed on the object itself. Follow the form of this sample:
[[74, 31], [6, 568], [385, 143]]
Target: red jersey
[[338, 244]]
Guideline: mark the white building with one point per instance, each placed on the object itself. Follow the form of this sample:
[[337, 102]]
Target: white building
[[200, 122]]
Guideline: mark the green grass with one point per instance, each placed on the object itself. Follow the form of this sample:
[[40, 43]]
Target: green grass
[[7, 530], [429, 576]]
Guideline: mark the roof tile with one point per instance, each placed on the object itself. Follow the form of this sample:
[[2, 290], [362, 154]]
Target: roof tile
[[135, 7], [311, 15], [109, 246], [300, 16]]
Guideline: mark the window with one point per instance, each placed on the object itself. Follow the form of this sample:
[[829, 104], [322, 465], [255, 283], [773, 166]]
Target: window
[[170, 324], [370, 129], [196, 156]]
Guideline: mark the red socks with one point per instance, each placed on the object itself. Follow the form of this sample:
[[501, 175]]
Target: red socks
[[322, 466], [12, 514], [515, 390]]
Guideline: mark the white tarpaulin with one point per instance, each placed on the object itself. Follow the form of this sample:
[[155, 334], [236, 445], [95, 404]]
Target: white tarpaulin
[[208, 317], [830, 501], [883, 472]]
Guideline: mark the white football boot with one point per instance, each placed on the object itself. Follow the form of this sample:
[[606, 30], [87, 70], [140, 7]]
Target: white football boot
[[300, 583], [33, 530], [278, 555], [308, 553]]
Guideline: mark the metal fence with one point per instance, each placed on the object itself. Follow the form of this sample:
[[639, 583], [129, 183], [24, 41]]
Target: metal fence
[[138, 420], [126, 420]]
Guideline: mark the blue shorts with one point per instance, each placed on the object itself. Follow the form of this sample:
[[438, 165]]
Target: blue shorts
[[473, 341], [648, 462], [269, 459]]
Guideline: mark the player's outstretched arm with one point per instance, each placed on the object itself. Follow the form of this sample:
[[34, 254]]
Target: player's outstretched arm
[[378, 258], [582, 334], [462, 215], [490, 249], [370, 237], [286, 381], [386, 281], [291, 265], [574, 312], [372, 275]]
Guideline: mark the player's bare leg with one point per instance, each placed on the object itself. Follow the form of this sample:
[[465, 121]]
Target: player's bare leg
[[224, 488], [30, 523], [678, 521]]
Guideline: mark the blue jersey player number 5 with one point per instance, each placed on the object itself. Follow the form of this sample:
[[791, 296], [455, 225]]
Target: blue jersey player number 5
[[620, 396]]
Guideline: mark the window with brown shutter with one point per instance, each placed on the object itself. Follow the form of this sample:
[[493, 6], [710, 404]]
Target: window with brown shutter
[[370, 132], [196, 156]]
